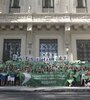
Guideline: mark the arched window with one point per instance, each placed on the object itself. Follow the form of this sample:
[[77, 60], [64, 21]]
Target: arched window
[[48, 3], [81, 3], [14, 3]]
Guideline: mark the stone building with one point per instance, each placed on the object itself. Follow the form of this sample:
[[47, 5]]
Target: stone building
[[45, 27]]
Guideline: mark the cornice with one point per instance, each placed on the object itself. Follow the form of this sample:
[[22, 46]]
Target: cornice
[[46, 18]]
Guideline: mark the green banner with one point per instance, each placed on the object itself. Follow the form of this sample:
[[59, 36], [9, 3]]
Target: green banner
[[46, 79]]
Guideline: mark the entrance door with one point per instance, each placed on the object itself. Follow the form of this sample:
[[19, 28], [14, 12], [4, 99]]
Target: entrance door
[[48, 48], [11, 47]]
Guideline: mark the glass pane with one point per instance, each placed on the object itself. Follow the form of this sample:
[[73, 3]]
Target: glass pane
[[16, 3], [11, 3], [43, 3], [84, 3], [81, 3], [52, 3], [48, 3]]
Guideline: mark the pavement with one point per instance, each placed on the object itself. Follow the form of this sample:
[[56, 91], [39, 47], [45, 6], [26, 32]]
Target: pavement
[[43, 89], [44, 93]]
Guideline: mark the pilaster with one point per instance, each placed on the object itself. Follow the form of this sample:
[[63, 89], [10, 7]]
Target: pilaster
[[67, 41], [29, 40]]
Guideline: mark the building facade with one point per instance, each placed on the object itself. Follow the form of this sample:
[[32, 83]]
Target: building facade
[[45, 28]]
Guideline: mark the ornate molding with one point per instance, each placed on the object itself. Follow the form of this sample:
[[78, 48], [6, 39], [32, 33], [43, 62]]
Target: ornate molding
[[57, 27], [15, 18], [48, 27], [80, 18], [51, 18], [85, 27], [29, 27], [3, 27], [45, 18], [67, 28], [76, 27], [39, 27], [11, 27], [20, 27]]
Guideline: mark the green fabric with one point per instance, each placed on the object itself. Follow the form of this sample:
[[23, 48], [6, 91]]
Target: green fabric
[[55, 78], [70, 80], [1, 65], [48, 79], [83, 72], [71, 72], [77, 76], [11, 73]]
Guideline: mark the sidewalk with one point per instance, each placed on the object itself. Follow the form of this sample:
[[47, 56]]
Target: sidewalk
[[43, 89]]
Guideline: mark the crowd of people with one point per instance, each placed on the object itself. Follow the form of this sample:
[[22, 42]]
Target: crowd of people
[[9, 77], [76, 76]]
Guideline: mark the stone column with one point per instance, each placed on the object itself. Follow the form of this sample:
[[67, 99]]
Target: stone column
[[29, 6], [1, 6], [29, 40], [67, 41]]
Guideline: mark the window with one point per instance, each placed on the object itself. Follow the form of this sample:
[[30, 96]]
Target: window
[[48, 48], [14, 6], [83, 50], [14, 3], [81, 3], [48, 3], [11, 47]]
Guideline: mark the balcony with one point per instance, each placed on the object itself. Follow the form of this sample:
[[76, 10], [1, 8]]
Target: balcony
[[14, 10], [45, 18], [48, 10]]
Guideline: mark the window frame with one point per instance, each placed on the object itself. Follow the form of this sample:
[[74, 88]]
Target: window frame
[[48, 42], [12, 4]]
